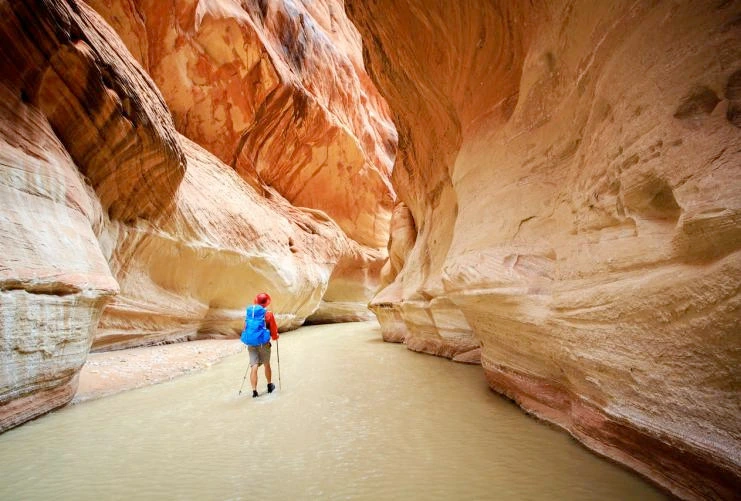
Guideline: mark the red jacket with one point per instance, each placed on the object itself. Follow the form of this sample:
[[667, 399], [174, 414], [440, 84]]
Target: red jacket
[[270, 324]]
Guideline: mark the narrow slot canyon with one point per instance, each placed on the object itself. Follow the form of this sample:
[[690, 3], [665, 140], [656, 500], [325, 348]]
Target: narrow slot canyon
[[540, 201]]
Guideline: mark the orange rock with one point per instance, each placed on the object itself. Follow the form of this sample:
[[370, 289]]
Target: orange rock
[[278, 91], [571, 170], [191, 272], [102, 197], [106, 111], [54, 280]]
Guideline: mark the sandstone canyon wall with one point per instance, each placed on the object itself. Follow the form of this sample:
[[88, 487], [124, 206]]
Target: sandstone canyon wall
[[278, 91], [118, 231], [568, 177]]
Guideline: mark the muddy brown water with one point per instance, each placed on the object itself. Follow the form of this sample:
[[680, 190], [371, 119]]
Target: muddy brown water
[[356, 418]]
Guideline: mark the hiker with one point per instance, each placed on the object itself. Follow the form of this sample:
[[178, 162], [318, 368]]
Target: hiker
[[259, 328]]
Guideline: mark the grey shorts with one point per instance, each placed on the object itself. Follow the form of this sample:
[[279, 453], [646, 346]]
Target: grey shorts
[[259, 354]]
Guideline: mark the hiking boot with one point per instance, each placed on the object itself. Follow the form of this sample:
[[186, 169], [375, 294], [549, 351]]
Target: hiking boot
[[254, 393], [271, 387]]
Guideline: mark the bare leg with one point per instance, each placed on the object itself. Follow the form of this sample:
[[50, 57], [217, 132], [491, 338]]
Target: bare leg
[[253, 376], [268, 372]]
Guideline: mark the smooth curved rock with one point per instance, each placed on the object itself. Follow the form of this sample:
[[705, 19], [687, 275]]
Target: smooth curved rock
[[85, 135], [572, 173], [54, 280], [106, 111], [97, 202], [278, 91], [192, 272]]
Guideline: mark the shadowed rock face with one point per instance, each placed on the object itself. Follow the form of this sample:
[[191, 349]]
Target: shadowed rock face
[[569, 174], [109, 116], [54, 281], [118, 231]]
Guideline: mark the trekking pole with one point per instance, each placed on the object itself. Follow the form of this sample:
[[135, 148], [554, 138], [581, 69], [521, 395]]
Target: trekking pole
[[244, 379], [277, 350]]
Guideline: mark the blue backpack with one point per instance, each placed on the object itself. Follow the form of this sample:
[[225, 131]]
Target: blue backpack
[[255, 333]]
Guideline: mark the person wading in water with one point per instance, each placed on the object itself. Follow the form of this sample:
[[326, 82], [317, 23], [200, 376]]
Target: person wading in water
[[259, 328]]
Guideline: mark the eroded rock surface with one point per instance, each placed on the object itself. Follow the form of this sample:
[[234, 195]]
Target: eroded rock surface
[[191, 272], [118, 231], [571, 170], [54, 280], [59, 69], [278, 91], [108, 114]]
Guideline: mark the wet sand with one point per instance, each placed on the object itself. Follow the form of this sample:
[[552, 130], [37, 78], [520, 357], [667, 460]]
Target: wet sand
[[111, 372]]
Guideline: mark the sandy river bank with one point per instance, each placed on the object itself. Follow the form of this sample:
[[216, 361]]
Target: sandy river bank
[[111, 372]]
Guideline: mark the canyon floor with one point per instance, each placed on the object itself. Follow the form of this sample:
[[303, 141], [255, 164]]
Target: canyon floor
[[354, 418], [111, 372]]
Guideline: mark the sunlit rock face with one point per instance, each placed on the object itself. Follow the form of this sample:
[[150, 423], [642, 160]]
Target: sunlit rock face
[[118, 231], [278, 91], [192, 272], [571, 171], [84, 137]]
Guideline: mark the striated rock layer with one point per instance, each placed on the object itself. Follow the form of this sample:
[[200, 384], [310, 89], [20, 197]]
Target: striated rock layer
[[118, 231], [190, 273], [278, 91], [54, 280], [569, 174], [83, 135]]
